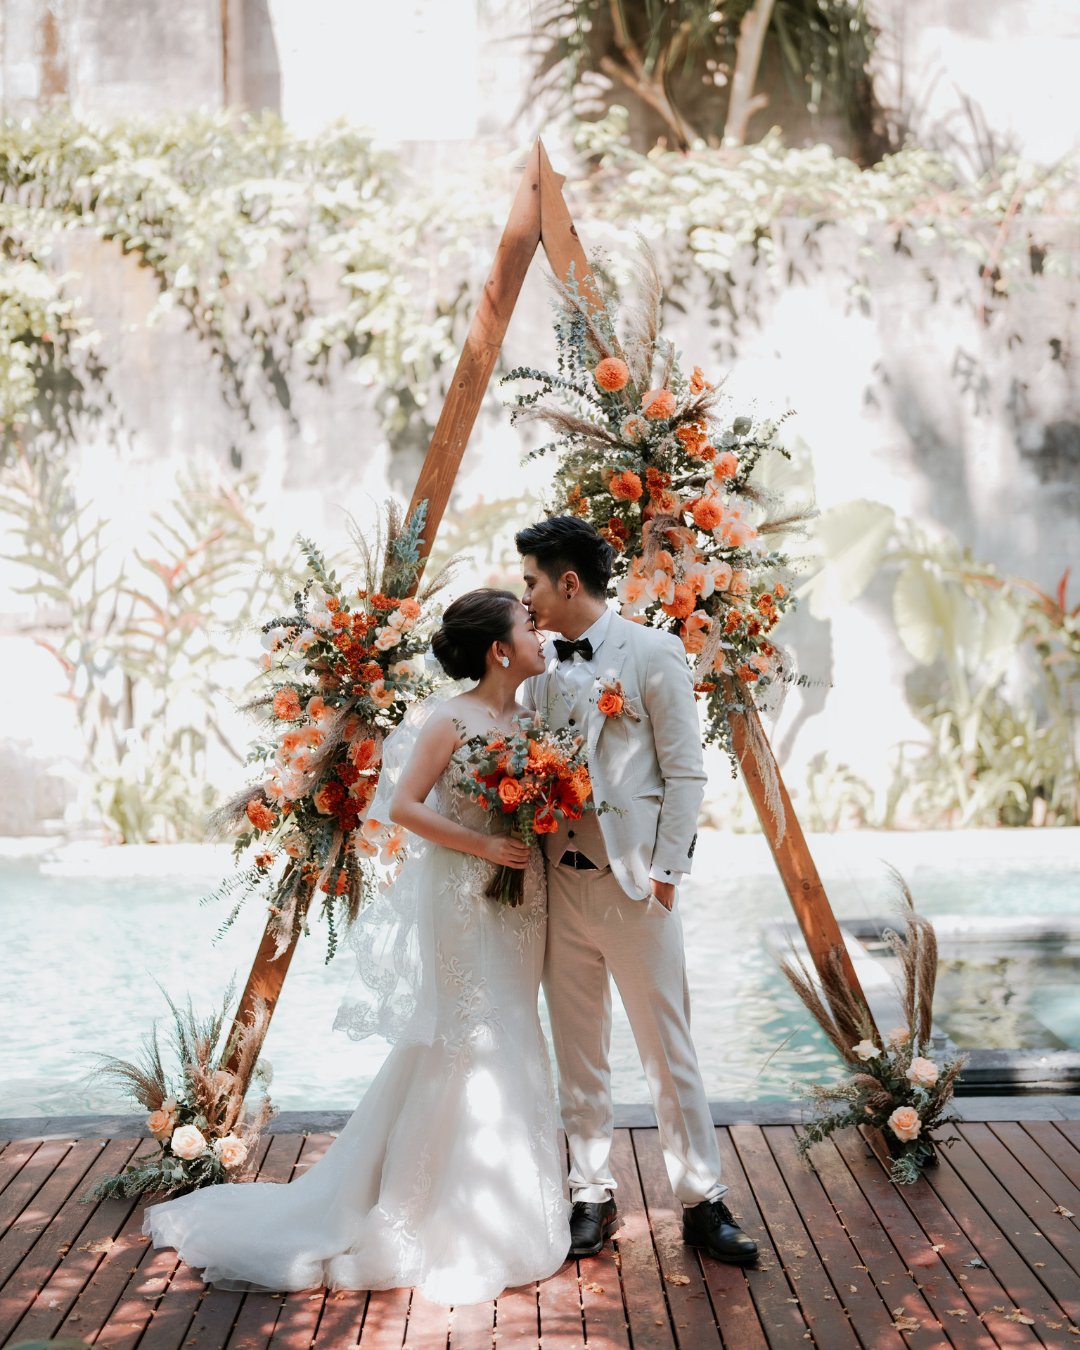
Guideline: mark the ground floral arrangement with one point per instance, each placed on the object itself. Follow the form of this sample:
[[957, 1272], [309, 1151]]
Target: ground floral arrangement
[[341, 670], [659, 463], [894, 1084], [196, 1114]]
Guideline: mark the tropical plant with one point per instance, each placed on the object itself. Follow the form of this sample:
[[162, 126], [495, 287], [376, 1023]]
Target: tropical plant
[[1002, 721], [696, 65], [140, 640], [195, 1110]]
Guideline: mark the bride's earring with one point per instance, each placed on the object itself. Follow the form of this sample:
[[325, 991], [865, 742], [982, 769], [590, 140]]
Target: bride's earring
[[504, 661]]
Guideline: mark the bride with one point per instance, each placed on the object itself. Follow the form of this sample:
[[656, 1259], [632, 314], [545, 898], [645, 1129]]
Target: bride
[[446, 1176]]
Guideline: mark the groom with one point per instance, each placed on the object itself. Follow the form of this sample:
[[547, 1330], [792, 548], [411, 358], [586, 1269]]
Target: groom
[[612, 883]]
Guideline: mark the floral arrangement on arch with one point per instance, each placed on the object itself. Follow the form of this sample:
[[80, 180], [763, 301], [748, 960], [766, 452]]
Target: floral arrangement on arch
[[894, 1082], [341, 669], [195, 1113], [654, 460]]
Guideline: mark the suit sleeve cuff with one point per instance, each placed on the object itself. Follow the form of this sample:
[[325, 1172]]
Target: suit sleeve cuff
[[661, 874]]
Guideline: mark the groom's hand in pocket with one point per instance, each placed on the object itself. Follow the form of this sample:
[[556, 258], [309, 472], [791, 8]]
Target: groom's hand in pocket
[[664, 891]]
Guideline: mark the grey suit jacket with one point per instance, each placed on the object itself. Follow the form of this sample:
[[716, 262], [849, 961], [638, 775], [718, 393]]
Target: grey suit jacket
[[651, 769]]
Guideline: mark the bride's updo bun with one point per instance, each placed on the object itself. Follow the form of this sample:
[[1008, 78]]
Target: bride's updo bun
[[470, 625]]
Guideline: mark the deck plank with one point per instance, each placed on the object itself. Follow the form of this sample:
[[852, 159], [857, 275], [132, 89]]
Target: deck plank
[[14, 1158], [1057, 1148], [1038, 1255], [341, 1320], [301, 1312], [878, 1258], [64, 1184], [472, 1325], [1026, 1192], [871, 1320], [1062, 1192], [517, 1319], [32, 1175], [385, 1319], [63, 1260], [687, 1292], [642, 1281], [923, 1266], [820, 1307]]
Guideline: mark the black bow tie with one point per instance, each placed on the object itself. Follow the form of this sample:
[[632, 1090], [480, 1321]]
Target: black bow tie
[[565, 650]]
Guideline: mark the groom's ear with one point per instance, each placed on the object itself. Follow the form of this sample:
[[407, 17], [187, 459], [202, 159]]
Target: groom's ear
[[570, 584]]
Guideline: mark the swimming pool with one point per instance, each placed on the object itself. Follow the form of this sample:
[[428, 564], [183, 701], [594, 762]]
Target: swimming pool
[[90, 935]]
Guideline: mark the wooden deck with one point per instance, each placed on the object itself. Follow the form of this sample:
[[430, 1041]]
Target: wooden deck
[[986, 1253]]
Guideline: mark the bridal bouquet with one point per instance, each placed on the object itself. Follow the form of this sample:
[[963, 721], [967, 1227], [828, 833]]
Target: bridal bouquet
[[894, 1083], [659, 465], [341, 669], [196, 1112], [535, 777]]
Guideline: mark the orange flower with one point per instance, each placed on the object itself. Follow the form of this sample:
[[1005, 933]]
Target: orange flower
[[545, 821], [693, 631], [905, 1123], [779, 590], [740, 583], [746, 673], [658, 404], [328, 798], [363, 753], [667, 503], [625, 487], [682, 606], [263, 861], [726, 466], [612, 374], [708, 512], [318, 708], [380, 695], [410, 608], [577, 501], [511, 793], [634, 428], [698, 382], [610, 703], [692, 435], [259, 814], [286, 705]]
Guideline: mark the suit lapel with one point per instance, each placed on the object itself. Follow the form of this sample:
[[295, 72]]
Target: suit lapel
[[610, 660]]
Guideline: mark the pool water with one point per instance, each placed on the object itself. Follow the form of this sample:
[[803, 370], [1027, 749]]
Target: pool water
[[91, 936]]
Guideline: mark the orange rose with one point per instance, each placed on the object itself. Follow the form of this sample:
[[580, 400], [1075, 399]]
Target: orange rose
[[708, 512], [363, 753], [510, 793], [625, 487], [259, 814], [612, 374], [658, 404], [286, 705], [410, 608], [779, 590], [545, 822], [160, 1123], [610, 703]]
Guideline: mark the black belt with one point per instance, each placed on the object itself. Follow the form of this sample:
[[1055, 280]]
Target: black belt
[[578, 861]]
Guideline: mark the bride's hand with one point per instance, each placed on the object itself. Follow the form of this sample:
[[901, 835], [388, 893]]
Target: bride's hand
[[504, 849]]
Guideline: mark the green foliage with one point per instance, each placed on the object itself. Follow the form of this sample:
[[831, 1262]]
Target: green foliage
[[1001, 715], [140, 642]]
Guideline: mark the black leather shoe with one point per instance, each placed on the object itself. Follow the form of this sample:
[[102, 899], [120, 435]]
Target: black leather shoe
[[590, 1223], [711, 1225]]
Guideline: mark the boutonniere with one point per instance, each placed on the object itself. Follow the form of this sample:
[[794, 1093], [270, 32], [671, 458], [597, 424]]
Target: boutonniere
[[612, 701]]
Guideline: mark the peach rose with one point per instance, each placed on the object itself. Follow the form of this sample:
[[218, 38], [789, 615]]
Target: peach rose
[[510, 793], [610, 703], [905, 1123], [625, 487], [318, 708], [385, 638], [739, 583], [286, 705], [160, 1123], [410, 608], [922, 1072], [231, 1150], [897, 1037], [612, 374], [259, 814], [630, 589], [188, 1142], [380, 695], [657, 404]]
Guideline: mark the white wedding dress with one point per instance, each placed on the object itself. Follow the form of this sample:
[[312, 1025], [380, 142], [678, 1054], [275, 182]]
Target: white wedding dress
[[447, 1175]]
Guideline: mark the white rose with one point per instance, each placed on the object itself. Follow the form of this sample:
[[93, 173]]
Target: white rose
[[866, 1050], [923, 1072], [231, 1150], [188, 1142]]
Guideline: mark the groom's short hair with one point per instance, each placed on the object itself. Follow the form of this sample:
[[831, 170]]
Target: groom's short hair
[[566, 544]]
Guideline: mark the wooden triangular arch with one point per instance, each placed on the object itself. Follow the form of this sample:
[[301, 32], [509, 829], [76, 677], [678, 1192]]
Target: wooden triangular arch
[[539, 216]]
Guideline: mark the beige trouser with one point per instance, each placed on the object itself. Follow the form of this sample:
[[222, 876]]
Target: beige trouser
[[596, 930]]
